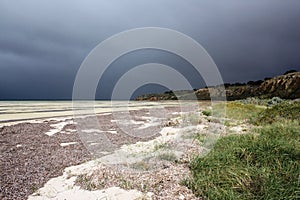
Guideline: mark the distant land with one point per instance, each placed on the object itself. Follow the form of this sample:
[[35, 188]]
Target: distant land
[[286, 86]]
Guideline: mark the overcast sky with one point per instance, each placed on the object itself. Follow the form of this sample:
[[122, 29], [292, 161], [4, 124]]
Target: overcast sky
[[43, 43]]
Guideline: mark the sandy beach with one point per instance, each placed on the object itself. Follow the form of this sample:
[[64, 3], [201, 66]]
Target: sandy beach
[[34, 152]]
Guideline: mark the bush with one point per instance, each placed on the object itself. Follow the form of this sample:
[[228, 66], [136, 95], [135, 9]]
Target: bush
[[275, 101], [253, 100]]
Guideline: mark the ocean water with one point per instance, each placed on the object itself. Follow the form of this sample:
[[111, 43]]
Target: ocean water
[[18, 111]]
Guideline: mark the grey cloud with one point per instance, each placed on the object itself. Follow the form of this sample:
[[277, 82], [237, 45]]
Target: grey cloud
[[42, 43]]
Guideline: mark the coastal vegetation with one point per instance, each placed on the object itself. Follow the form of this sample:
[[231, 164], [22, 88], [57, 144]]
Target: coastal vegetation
[[260, 165]]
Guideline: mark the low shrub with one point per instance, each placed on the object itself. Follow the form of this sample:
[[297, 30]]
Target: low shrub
[[275, 101]]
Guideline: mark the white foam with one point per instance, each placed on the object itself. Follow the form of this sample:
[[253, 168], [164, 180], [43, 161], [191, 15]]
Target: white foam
[[103, 114]]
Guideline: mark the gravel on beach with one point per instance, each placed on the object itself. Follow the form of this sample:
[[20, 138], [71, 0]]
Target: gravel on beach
[[29, 157]]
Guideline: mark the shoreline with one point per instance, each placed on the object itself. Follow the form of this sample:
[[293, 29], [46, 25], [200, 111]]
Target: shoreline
[[12, 113]]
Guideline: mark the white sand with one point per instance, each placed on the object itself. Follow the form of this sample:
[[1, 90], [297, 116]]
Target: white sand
[[63, 187], [112, 131], [67, 144], [58, 127], [92, 131], [129, 154]]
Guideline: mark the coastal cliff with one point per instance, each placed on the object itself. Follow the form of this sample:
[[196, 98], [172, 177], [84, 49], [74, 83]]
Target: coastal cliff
[[285, 86]]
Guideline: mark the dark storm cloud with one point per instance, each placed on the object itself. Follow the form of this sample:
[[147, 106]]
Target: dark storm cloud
[[42, 43], [250, 40]]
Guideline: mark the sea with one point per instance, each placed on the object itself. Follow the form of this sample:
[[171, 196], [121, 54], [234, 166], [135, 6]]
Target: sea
[[19, 111]]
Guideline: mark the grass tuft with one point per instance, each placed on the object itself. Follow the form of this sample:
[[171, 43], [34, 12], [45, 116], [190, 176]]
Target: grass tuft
[[206, 113]]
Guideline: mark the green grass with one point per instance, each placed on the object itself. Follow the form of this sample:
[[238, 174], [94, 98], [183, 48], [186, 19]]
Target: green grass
[[251, 166], [257, 114], [262, 165], [206, 112], [238, 111], [285, 110]]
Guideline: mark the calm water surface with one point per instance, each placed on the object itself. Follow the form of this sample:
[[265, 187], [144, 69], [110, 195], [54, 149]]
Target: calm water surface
[[12, 111]]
